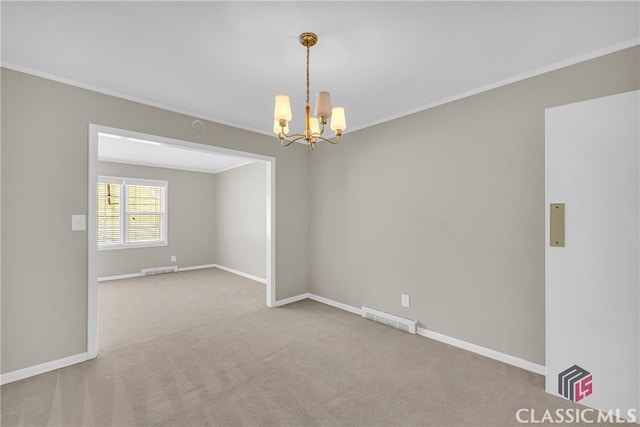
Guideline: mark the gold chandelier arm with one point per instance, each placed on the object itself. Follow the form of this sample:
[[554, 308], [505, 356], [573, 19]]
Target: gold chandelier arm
[[285, 141], [322, 123], [327, 140]]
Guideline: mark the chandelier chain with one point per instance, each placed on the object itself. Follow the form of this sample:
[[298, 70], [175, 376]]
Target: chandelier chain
[[308, 55]]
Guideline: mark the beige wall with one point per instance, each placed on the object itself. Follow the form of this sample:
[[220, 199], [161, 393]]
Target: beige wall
[[241, 218], [191, 227], [447, 205], [44, 181]]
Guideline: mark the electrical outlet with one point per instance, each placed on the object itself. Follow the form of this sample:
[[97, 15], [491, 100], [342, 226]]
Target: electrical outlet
[[404, 300], [173, 258]]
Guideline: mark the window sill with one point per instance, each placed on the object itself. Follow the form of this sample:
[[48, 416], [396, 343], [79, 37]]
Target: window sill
[[131, 246]]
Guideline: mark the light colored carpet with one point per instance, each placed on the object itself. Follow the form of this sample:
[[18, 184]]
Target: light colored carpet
[[199, 348]]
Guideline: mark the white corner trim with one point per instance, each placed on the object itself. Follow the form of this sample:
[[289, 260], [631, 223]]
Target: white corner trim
[[109, 92], [240, 273], [31, 371], [483, 351], [509, 80], [336, 304]]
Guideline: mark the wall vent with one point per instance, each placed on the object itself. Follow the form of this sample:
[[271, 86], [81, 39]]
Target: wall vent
[[389, 319], [159, 270]]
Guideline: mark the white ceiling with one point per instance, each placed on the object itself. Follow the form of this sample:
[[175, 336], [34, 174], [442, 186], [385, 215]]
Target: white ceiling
[[225, 61], [122, 149]]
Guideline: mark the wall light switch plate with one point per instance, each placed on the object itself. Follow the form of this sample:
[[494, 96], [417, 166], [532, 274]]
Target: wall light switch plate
[[173, 258], [78, 222], [404, 300]]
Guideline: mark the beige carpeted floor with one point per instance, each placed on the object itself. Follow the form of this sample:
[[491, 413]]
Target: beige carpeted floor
[[200, 348]]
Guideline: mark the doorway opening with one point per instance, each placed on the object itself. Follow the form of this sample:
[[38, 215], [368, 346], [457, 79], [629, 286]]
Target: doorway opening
[[96, 132]]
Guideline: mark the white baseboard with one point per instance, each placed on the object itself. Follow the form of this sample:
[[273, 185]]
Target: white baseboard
[[31, 371], [197, 267], [332, 303], [291, 300], [118, 277], [483, 351], [318, 298], [240, 273], [464, 345], [129, 276]]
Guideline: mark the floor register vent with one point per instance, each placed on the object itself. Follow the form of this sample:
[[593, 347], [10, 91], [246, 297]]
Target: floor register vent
[[159, 270], [389, 319]]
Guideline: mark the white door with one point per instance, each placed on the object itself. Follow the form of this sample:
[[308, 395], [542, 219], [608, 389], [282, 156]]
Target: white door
[[592, 282]]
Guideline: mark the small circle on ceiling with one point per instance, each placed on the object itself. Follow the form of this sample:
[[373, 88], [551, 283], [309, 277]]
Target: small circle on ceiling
[[197, 125]]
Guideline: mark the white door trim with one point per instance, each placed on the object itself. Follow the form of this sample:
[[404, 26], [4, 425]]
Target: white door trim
[[92, 226]]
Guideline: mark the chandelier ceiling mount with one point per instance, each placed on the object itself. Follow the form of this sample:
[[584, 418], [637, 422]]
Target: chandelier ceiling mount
[[308, 39]]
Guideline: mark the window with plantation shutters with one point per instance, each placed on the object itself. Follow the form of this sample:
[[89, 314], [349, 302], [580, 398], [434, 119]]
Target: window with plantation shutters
[[131, 212]]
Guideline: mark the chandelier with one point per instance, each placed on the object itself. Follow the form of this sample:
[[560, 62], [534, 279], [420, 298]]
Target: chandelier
[[314, 126]]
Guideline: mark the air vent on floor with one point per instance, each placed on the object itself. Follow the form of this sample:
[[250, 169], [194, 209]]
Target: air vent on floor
[[397, 322], [158, 270]]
